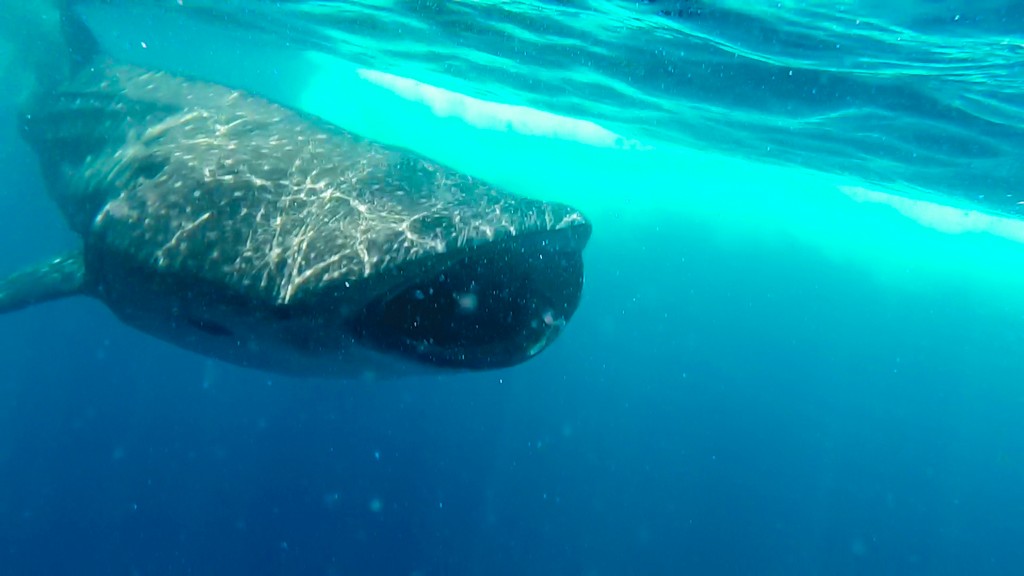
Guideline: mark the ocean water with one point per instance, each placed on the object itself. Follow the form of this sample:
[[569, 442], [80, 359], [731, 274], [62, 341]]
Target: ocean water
[[798, 350]]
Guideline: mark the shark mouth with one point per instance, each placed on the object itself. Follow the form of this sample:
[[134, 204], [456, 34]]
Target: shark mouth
[[494, 307]]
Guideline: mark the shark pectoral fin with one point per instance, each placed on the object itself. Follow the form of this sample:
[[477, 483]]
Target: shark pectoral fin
[[58, 278]]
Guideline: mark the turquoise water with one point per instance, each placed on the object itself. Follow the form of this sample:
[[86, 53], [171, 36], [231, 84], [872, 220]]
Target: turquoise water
[[923, 93], [884, 136], [798, 350]]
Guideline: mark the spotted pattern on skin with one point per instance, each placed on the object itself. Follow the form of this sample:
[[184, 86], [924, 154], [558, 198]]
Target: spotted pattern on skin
[[203, 181]]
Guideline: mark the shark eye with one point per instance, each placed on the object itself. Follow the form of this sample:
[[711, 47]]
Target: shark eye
[[432, 225]]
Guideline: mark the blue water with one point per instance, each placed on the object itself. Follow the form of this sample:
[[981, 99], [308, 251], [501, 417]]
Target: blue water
[[927, 93], [798, 350]]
